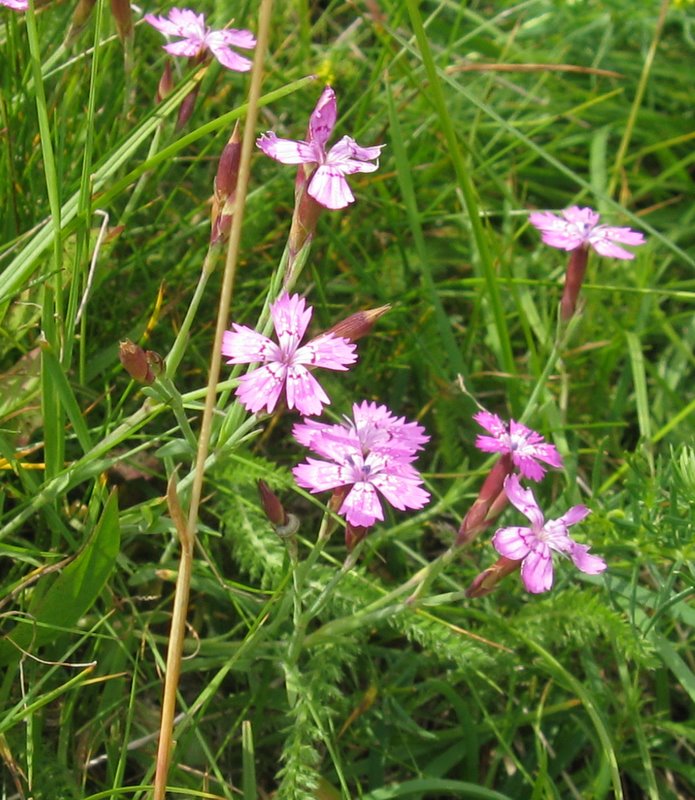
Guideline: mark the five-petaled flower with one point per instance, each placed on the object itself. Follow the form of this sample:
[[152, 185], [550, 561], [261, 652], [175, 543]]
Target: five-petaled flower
[[368, 455], [15, 5], [578, 227], [197, 38], [327, 184], [525, 447], [534, 546], [285, 364]]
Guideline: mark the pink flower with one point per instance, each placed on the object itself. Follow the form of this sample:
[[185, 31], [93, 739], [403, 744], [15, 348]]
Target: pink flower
[[578, 228], [285, 363], [368, 455], [197, 38], [372, 429], [533, 546], [327, 185], [15, 5], [525, 446]]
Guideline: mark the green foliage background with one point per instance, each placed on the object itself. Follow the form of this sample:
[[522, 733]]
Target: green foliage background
[[488, 110]]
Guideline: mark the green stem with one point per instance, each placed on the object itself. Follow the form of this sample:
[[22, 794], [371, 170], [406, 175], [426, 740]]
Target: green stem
[[175, 355], [386, 605]]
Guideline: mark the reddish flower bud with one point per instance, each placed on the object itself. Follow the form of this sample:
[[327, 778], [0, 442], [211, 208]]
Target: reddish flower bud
[[143, 366], [358, 325], [336, 499], [228, 167], [489, 503], [574, 277], [166, 83], [79, 19], [487, 581], [354, 535], [304, 218], [186, 107], [224, 197], [272, 506], [123, 17]]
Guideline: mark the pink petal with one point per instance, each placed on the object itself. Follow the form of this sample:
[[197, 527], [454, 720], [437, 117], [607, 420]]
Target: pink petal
[[188, 22], [491, 423], [319, 476], [537, 571], [329, 188], [400, 492], [545, 221], [488, 444], [348, 157], [584, 561], [556, 536], [331, 441], [15, 5], [291, 316], [574, 515], [512, 542], [234, 37], [164, 25], [228, 58], [622, 235], [304, 391], [327, 351], [585, 217], [362, 506], [187, 48], [604, 247], [262, 387], [287, 151], [523, 500], [528, 466], [323, 117], [246, 346], [549, 454]]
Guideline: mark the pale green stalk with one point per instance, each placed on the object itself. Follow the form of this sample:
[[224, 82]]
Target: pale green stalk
[[178, 623], [175, 355]]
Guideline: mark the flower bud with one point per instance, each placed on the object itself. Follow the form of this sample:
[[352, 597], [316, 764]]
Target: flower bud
[[186, 107], [123, 17], [228, 167], [574, 277], [488, 504], [304, 218], [358, 325], [224, 197], [354, 535], [272, 506], [79, 19], [166, 83], [487, 581], [143, 366]]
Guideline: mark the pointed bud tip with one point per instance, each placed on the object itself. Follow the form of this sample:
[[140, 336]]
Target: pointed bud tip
[[358, 325], [272, 506]]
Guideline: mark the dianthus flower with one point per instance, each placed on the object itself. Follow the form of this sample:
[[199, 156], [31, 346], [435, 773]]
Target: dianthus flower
[[285, 363], [197, 38], [15, 5], [579, 227], [534, 546], [372, 429], [368, 455], [327, 184], [525, 447]]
